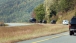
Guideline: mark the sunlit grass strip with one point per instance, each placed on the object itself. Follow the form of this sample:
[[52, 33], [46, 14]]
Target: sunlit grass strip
[[37, 32]]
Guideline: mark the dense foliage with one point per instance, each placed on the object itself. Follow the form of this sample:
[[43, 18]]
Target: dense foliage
[[17, 10], [40, 12], [58, 6], [62, 5]]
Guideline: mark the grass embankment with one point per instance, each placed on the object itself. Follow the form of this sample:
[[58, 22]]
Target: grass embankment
[[67, 16], [12, 34]]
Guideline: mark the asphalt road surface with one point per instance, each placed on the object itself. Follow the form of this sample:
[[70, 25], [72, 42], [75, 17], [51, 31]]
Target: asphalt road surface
[[59, 38], [17, 24]]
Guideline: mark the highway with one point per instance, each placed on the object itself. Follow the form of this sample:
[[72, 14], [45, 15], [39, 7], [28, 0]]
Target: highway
[[17, 24], [58, 38]]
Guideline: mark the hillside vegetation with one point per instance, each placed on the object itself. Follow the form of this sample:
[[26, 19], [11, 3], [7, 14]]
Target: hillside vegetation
[[57, 10], [17, 10]]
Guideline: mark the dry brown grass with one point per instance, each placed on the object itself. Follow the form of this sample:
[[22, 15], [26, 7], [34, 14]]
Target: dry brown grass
[[12, 34], [67, 16]]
